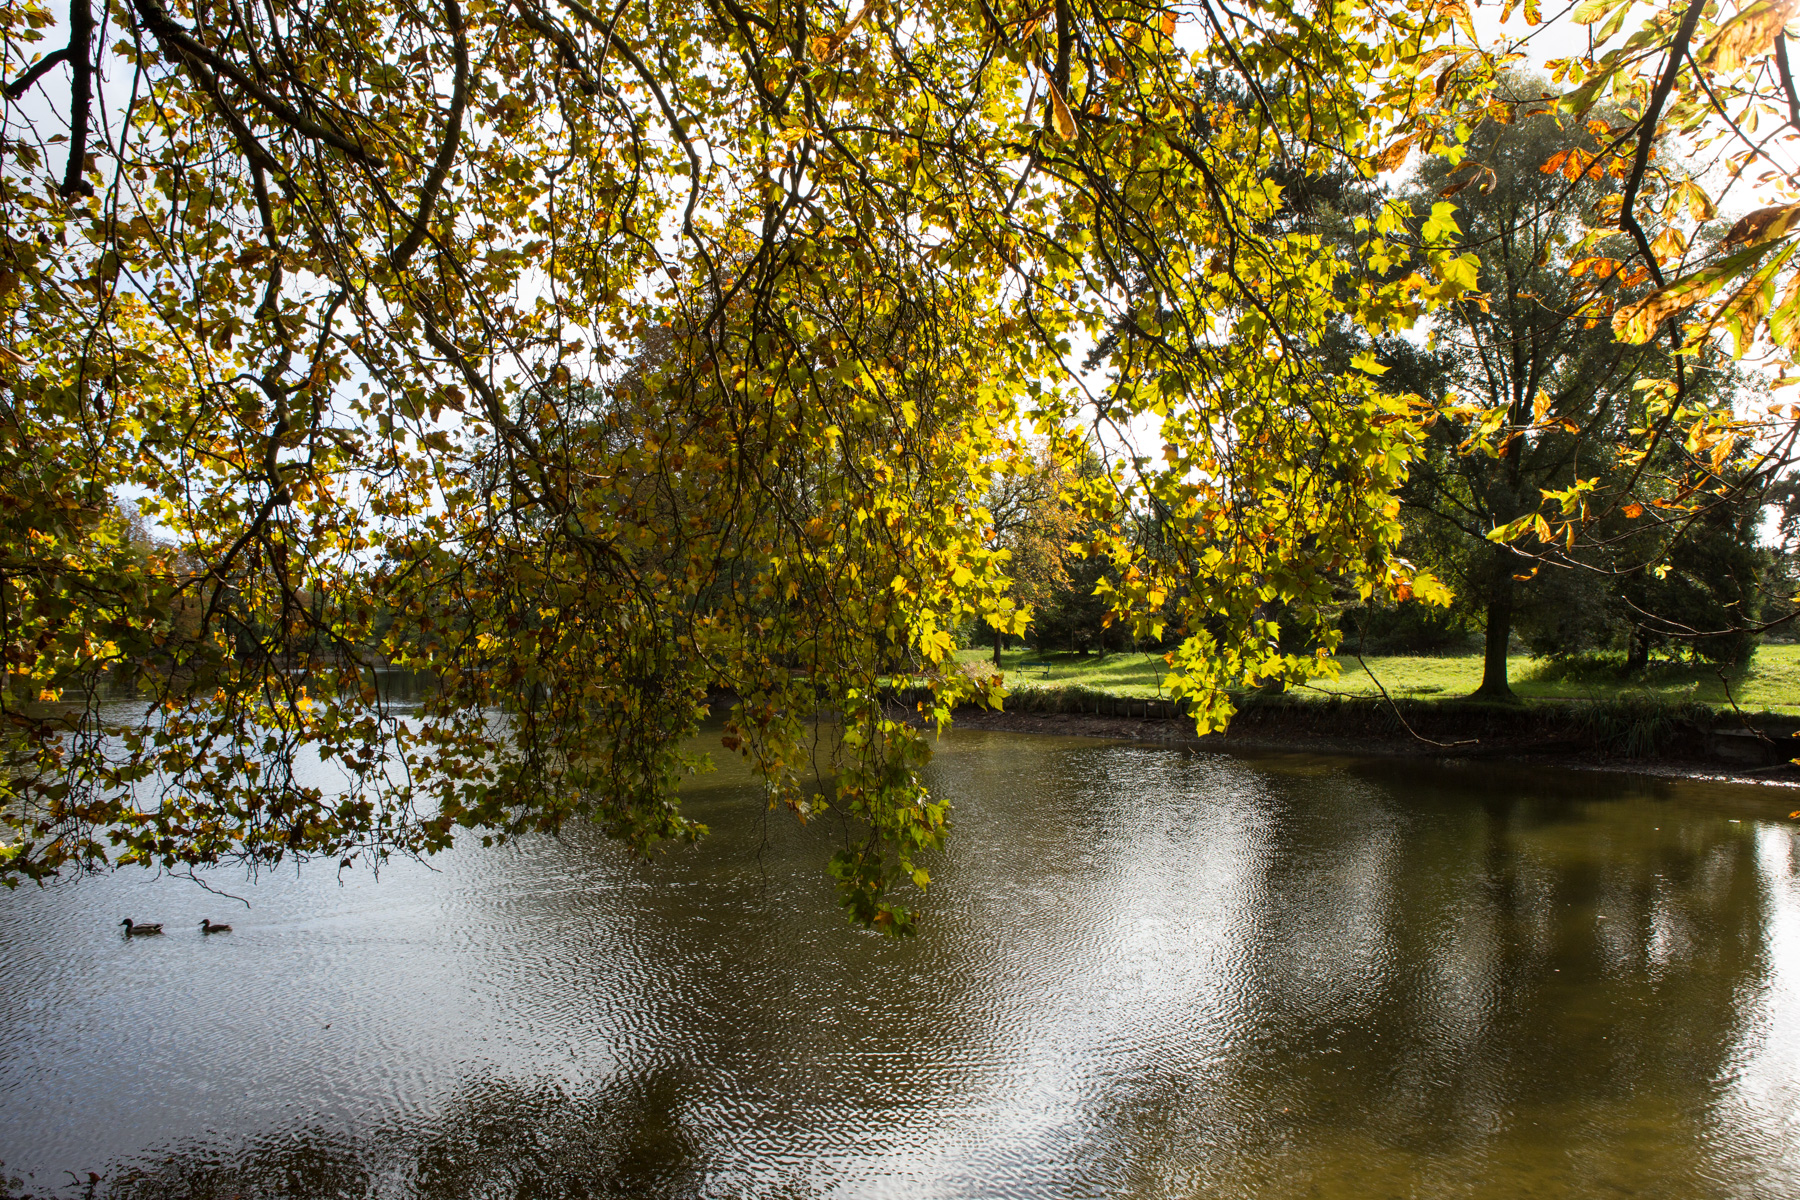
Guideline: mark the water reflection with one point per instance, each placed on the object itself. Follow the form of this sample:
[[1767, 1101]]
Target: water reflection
[[1145, 973], [493, 1138]]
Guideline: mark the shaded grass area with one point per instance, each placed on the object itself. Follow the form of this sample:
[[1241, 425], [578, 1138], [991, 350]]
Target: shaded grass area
[[1770, 682]]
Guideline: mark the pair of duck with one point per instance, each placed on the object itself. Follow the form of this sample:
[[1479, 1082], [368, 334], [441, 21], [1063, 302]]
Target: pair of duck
[[136, 929]]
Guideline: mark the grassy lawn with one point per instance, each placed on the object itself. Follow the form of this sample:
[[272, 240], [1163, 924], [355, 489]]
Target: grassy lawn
[[1121, 674], [1771, 680]]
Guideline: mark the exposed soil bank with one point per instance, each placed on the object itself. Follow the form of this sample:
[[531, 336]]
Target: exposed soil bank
[[1687, 741]]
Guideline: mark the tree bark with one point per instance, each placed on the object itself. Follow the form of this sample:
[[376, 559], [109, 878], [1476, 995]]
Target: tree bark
[[1499, 633], [81, 96], [999, 640]]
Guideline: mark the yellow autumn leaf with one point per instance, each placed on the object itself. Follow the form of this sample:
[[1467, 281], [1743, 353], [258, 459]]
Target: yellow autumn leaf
[[1459, 12], [1590, 11], [1395, 153], [1762, 225], [1747, 36], [1062, 120]]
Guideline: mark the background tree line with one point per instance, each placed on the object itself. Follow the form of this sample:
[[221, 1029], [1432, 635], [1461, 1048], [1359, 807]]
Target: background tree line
[[599, 364], [1526, 350]]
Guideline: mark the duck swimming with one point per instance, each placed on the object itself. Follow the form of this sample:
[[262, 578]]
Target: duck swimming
[[135, 929], [206, 926]]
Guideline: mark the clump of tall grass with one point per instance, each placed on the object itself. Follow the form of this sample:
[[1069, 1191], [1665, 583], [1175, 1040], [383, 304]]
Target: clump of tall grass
[[1604, 667], [1639, 726], [1057, 698]]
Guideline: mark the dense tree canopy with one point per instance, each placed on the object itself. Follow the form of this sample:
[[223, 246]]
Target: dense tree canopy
[[1530, 358], [1695, 115], [602, 363]]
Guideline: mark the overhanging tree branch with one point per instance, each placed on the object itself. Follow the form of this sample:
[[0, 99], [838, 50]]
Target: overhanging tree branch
[[44, 66], [183, 45], [446, 156], [81, 95], [1647, 136]]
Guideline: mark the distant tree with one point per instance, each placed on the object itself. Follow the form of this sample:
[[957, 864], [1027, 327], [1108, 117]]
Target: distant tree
[[1705, 594], [1073, 618], [1035, 524], [1540, 396]]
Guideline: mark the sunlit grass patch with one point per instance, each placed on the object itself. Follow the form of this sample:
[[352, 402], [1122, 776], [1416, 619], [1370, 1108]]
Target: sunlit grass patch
[[1419, 675], [1123, 673], [1770, 681]]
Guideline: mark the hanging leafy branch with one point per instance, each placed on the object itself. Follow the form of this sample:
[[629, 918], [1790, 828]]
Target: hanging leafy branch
[[607, 367], [1689, 111]]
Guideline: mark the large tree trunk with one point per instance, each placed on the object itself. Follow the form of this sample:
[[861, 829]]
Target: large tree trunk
[[1637, 658], [1499, 632]]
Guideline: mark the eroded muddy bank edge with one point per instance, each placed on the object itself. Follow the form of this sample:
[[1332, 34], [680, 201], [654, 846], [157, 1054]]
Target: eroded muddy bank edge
[[1663, 741]]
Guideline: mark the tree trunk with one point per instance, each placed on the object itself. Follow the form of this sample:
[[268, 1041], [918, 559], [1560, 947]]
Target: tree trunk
[[1499, 632], [1638, 657], [999, 640]]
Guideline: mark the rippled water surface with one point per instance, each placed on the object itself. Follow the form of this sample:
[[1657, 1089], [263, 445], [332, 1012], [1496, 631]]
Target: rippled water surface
[[1143, 972]]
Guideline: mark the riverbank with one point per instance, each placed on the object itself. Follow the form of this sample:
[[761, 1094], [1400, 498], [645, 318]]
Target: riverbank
[[1770, 681], [1638, 736]]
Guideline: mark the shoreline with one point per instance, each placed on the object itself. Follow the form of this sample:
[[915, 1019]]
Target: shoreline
[[1570, 752]]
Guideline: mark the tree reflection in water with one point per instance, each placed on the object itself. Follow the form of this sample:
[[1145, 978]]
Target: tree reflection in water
[[1144, 973], [498, 1138]]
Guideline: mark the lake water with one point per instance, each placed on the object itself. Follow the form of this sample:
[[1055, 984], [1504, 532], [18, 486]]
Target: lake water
[[1143, 972]]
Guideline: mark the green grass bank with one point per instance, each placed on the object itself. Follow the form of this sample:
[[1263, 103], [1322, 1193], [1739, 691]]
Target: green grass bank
[[1742, 720], [1770, 682]]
